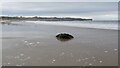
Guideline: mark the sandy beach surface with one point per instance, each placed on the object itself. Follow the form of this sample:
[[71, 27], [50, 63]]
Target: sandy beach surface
[[36, 45]]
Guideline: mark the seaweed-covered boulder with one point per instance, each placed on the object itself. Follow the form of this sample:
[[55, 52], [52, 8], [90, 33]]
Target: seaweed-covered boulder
[[64, 37]]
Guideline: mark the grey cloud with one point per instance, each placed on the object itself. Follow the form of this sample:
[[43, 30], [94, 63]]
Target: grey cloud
[[59, 9], [60, 0]]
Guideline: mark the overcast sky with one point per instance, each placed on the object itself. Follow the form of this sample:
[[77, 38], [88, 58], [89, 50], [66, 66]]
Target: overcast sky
[[94, 10], [59, 0]]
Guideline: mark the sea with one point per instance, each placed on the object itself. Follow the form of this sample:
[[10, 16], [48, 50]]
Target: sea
[[104, 24]]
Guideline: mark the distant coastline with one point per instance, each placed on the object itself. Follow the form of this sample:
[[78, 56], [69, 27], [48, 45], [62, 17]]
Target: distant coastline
[[36, 18]]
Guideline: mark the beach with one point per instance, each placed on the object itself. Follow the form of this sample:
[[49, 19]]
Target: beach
[[36, 45]]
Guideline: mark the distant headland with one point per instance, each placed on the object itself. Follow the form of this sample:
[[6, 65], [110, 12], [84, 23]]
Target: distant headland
[[37, 18]]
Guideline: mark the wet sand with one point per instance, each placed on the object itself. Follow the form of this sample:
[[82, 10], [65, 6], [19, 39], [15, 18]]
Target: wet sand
[[36, 45]]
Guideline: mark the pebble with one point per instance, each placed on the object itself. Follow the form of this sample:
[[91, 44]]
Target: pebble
[[90, 63], [100, 61], [21, 54], [8, 63], [38, 42], [106, 51], [115, 49]]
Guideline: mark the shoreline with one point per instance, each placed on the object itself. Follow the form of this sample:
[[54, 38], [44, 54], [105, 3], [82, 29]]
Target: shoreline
[[58, 23]]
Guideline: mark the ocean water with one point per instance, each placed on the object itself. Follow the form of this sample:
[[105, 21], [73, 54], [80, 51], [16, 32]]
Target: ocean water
[[21, 25], [113, 25]]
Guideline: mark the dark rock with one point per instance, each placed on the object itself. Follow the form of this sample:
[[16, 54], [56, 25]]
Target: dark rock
[[64, 37]]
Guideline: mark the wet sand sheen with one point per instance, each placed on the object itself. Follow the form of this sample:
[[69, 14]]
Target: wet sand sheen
[[36, 45]]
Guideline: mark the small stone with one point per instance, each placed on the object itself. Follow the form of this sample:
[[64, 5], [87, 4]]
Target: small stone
[[25, 41], [115, 49], [90, 64], [38, 42], [100, 61], [8, 63], [30, 43], [21, 54], [106, 51], [53, 60]]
